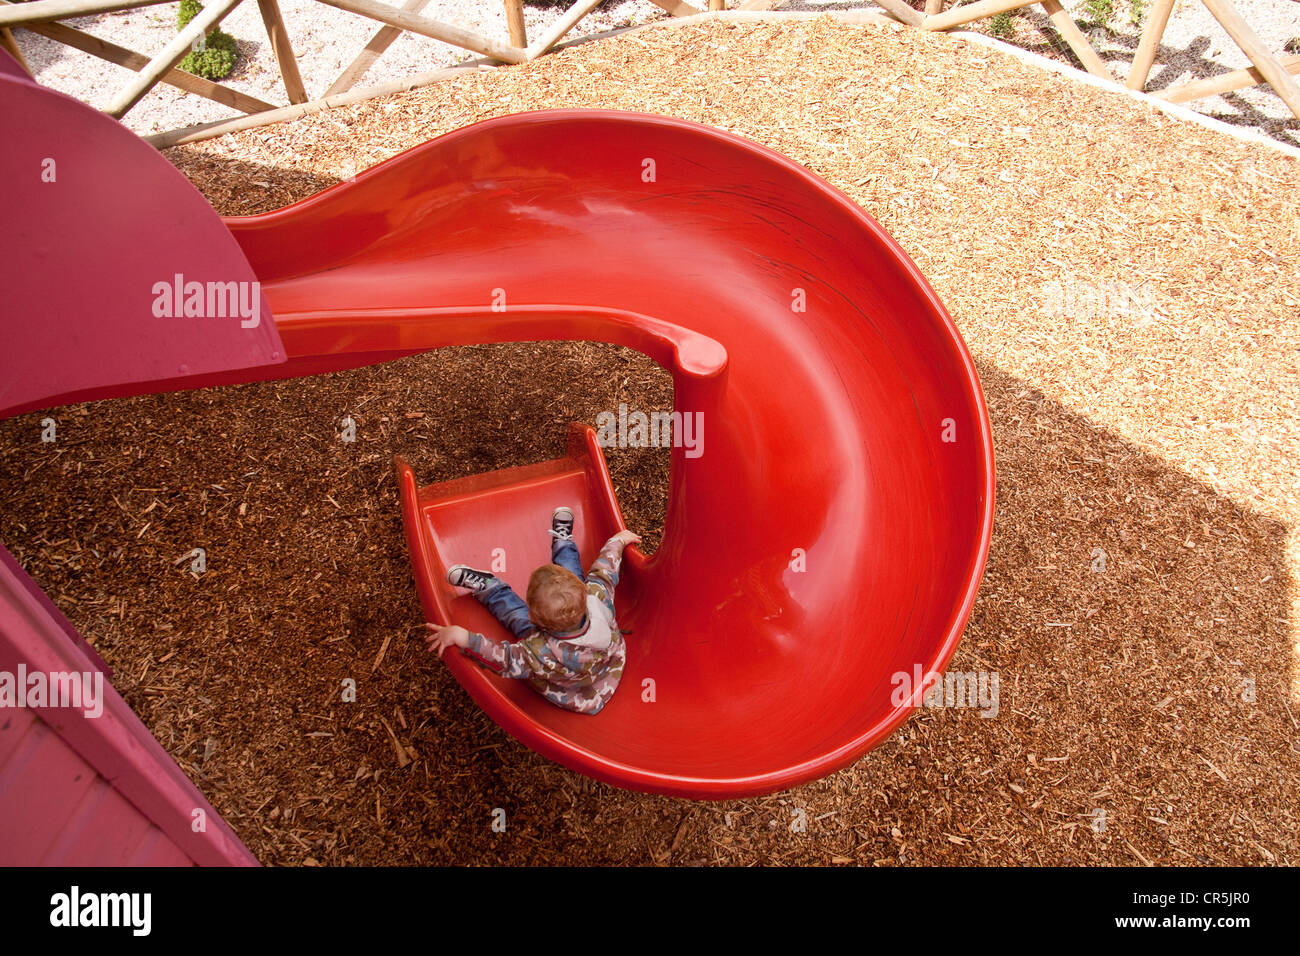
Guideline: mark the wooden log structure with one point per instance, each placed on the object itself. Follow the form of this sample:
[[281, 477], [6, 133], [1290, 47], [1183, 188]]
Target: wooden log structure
[[515, 23], [1226, 83], [8, 42], [960, 16], [171, 54], [1276, 71], [433, 29], [561, 26], [202, 131], [1059, 16], [279, 37], [380, 42], [1267, 68], [113, 53], [35, 11], [902, 11], [41, 17], [678, 8], [1254, 48], [1072, 35], [282, 114], [1157, 20]]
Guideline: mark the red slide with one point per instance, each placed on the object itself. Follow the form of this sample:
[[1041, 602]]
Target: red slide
[[829, 510]]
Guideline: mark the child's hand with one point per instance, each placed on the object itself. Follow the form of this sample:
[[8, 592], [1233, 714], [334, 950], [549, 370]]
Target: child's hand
[[441, 637], [627, 537]]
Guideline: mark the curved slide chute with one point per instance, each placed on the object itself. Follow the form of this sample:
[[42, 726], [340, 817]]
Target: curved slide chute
[[825, 535], [828, 526]]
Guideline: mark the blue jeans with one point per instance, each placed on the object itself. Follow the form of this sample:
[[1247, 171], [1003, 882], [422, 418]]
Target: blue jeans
[[510, 609]]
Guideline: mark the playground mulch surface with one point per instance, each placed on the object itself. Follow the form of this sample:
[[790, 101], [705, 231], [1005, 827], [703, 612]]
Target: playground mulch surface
[[1128, 285]]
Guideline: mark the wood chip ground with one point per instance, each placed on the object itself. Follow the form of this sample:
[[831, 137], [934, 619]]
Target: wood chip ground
[[1129, 286]]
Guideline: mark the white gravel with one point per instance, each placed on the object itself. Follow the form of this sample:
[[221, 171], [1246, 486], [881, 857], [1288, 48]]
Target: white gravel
[[326, 40]]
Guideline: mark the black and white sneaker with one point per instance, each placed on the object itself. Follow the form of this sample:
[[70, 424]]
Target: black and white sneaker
[[562, 523], [463, 576]]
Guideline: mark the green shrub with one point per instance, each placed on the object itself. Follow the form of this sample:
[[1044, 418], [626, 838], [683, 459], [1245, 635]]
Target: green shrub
[[1099, 12], [188, 11], [217, 55], [1000, 25]]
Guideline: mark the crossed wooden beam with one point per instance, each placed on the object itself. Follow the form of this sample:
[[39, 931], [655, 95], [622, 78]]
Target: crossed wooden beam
[[1274, 70]]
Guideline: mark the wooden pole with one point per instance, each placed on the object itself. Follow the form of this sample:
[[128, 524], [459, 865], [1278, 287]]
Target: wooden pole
[[422, 25], [202, 131], [932, 7], [283, 49], [680, 8], [9, 43], [171, 54], [1072, 35], [515, 23], [974, 11], [1272, 71], [1059, 16], [562, 26], [1226, 82], [716, 5], [19, 14], [380, 42], [137, 62], [1149, 44], [901, 11]]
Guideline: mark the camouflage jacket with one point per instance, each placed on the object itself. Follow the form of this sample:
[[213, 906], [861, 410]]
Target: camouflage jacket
[[579, 670]]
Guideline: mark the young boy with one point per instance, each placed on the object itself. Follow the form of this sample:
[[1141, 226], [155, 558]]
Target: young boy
[[567, 642]]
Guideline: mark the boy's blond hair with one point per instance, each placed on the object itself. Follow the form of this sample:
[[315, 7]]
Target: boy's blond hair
[[557, 599]]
